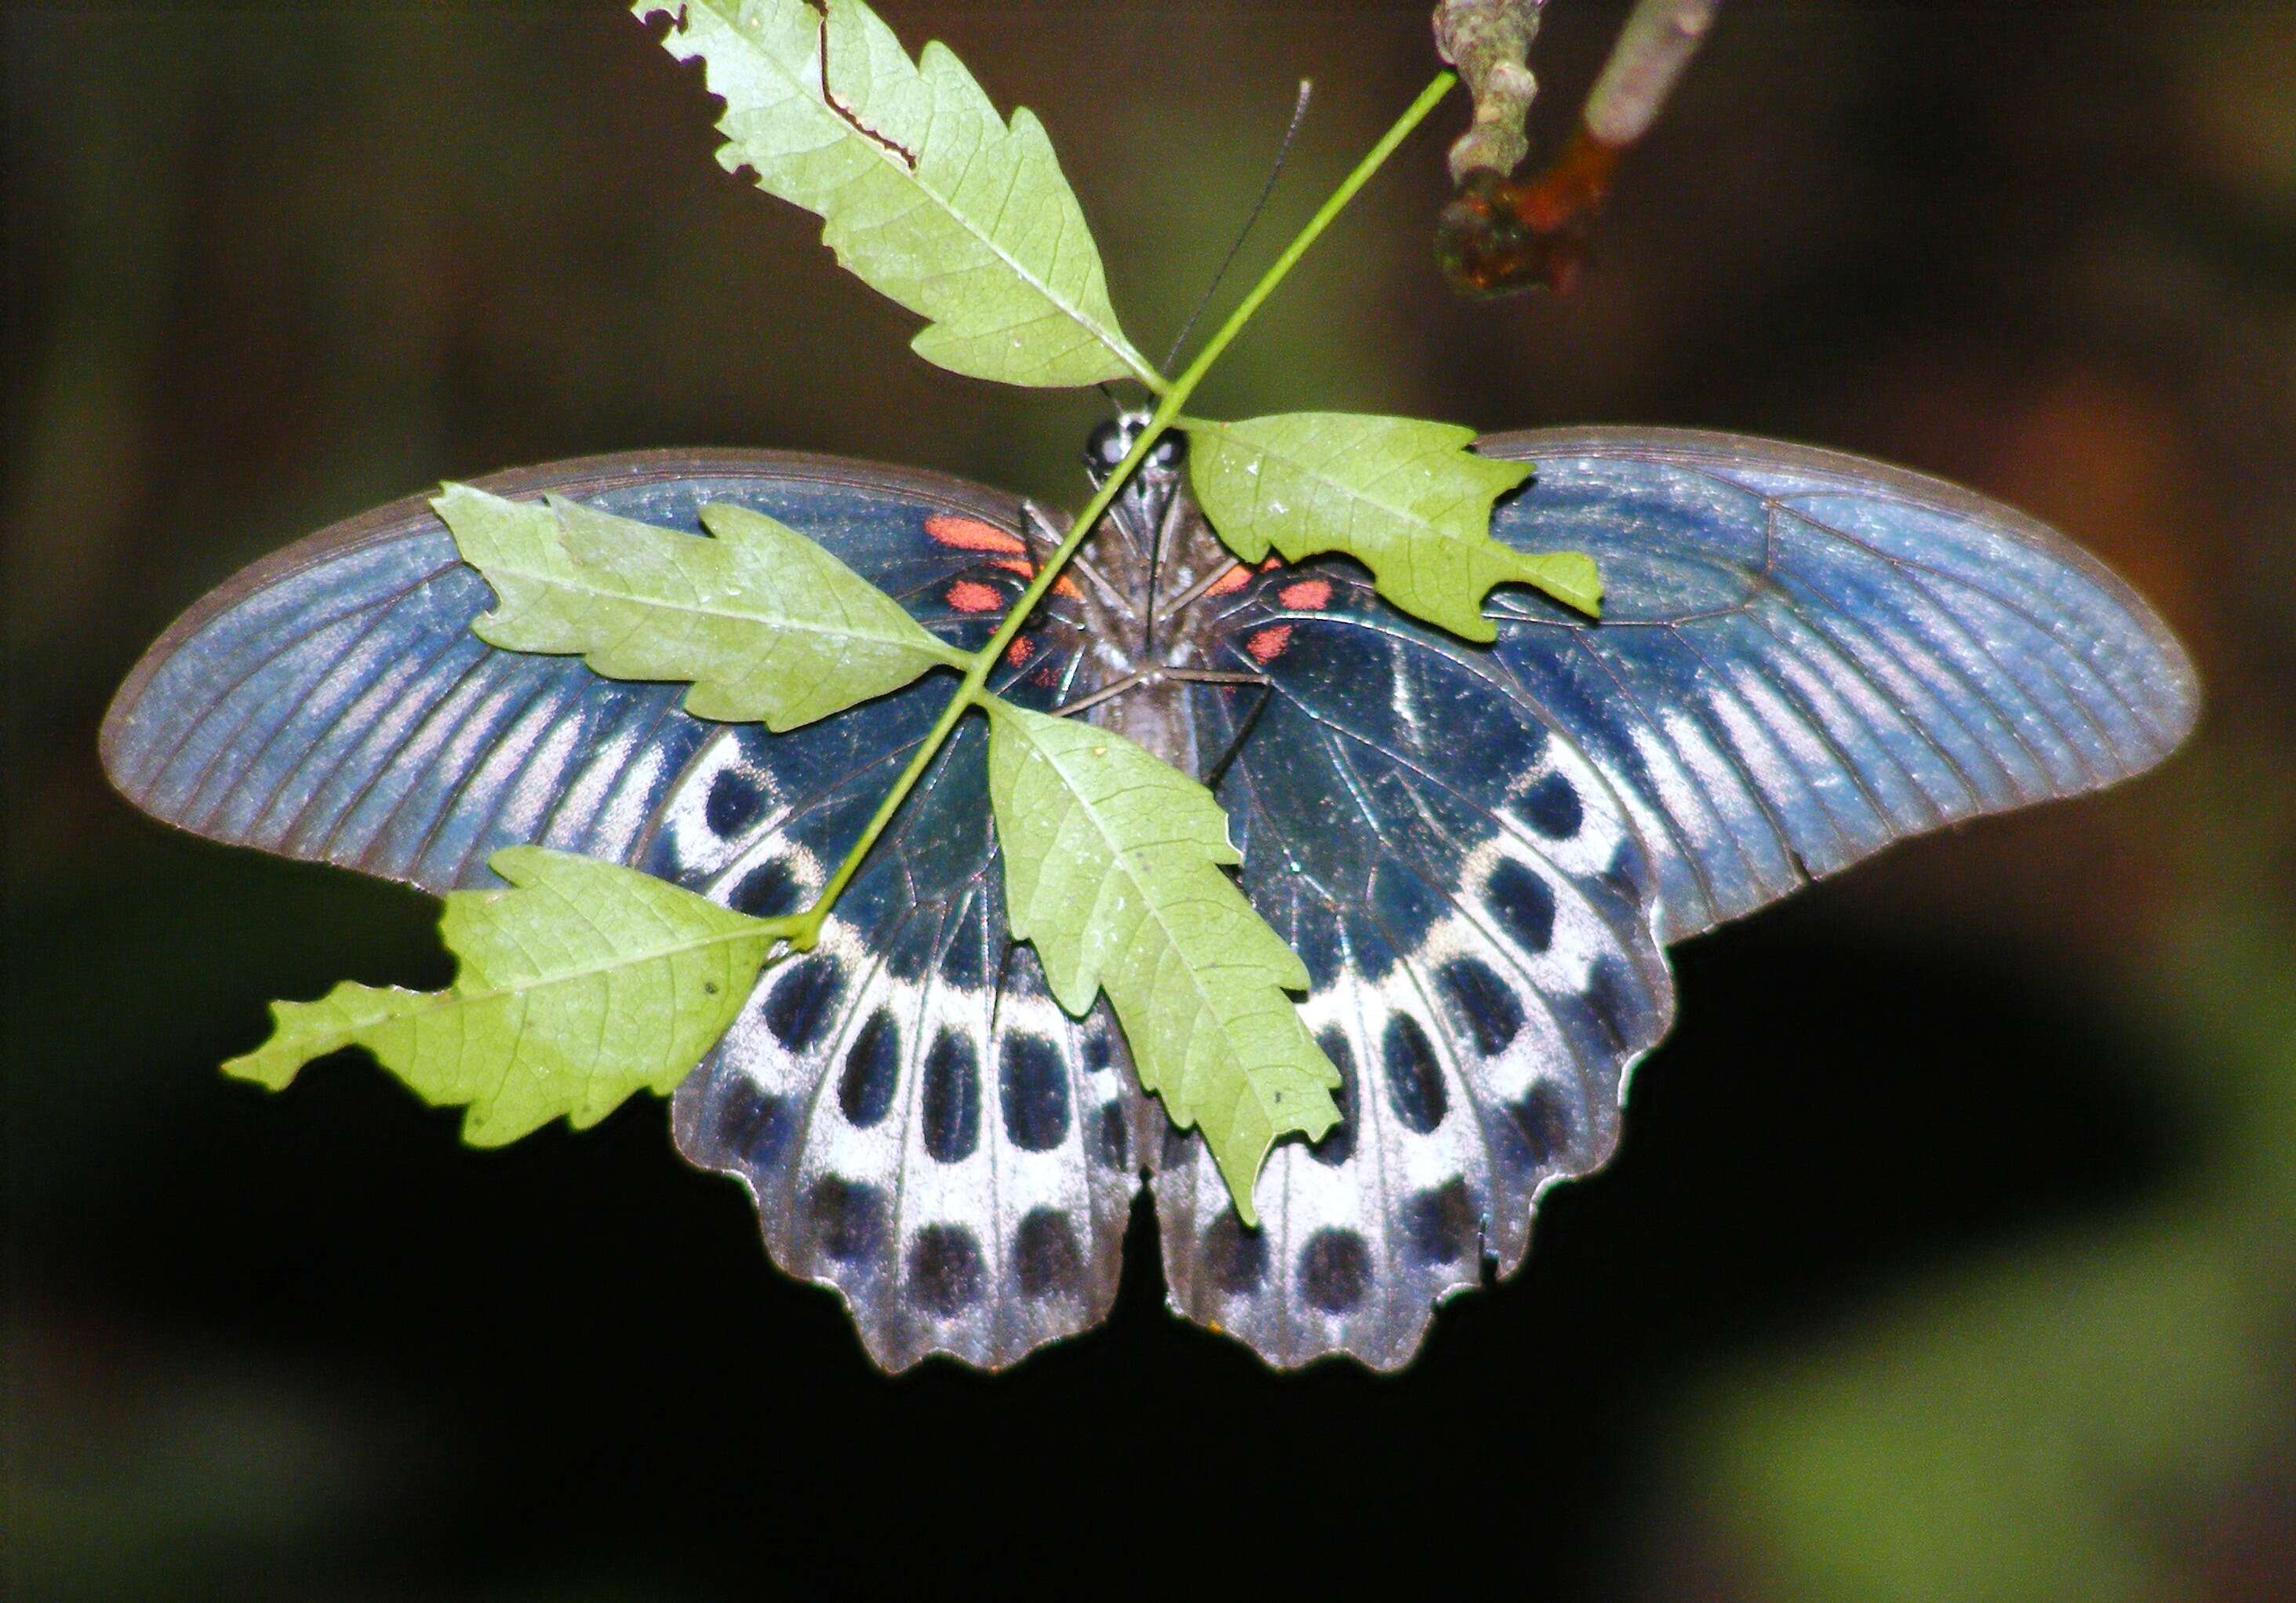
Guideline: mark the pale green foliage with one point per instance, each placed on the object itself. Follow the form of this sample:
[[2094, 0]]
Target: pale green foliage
[[925, 192], [764, 622], [1404, 497], [1113, 868], [585, 983]]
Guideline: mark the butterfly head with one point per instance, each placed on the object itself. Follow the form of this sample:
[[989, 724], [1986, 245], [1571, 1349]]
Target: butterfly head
[[1147, 497]]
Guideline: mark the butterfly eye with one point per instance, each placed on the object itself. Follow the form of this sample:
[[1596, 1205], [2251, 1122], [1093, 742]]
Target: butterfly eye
[[1107, 445], [1169, 452]]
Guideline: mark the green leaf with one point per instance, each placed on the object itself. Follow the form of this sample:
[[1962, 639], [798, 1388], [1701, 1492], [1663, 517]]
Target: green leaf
[[1113, 868], [1406, 499], [764, 622], [585, 983], [926, 193]]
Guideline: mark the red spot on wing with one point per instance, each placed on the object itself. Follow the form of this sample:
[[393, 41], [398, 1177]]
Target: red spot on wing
[[1236, 577], [1308, 594], [1015, 564], [971, 596], [1269, 644], [1272, 563], [1021, 649], [971, 534]]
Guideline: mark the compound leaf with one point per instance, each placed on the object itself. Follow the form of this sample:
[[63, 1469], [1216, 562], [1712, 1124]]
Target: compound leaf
[[764, 622], [1404, 497], [1113, 868], [924, 191], [582, 983]]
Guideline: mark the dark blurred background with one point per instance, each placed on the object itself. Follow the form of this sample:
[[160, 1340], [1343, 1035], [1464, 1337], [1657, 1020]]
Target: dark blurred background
[[1948, 1253]]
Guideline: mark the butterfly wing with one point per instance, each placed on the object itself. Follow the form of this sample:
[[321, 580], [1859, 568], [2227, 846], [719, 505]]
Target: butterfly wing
[[923, 1128], [1476, 912], [1806, 655], [1479, 851]]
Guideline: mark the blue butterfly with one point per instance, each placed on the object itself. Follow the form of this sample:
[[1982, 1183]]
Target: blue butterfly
[[1481, 852]]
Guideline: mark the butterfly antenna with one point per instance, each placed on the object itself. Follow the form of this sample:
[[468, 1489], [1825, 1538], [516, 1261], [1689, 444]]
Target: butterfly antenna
[[1282, 154]]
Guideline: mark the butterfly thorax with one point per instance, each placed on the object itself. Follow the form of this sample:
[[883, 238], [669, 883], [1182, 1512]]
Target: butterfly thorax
[[1143, 585]]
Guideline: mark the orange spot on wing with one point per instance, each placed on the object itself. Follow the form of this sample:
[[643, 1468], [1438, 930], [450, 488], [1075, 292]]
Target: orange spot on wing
[[1021, 649], [1235, 578], [1269, 644], [971, 534], [1273, 561], [1063, 585], [969, 595], [1309, 593]]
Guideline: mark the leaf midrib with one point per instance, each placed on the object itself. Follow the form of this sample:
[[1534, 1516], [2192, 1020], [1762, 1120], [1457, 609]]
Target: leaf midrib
[[454, 996], [925, 644], [1155, 906], [1108, 339]]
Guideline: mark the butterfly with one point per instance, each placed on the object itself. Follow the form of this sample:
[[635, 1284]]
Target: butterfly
[[1481, 852]]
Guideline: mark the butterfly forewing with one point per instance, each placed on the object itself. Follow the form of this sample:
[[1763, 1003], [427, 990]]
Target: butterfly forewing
[[1804, 656]]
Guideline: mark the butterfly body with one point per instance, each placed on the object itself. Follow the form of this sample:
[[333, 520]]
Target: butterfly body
[[1478, 851]]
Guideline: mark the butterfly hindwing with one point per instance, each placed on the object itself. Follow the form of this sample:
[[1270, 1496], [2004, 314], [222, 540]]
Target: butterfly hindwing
[[1475, 909], [921, 1125]]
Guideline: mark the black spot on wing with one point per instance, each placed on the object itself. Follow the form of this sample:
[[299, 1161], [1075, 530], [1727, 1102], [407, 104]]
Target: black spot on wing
[[1537, 1126], [1524, 904], [1414, 1080], [944, 1270], [952, 1098], [1480, 1003], [871, 1072], [1113, 1145], [1553, 807], [1335, 1270], [756, 1124], [848, 1219], [733, 803], [1604, 1009], [802, 999], [1046, 1260], [1439, 1224], [767, 890], [1236, 1258], [1034, 1086], [1179, 1146]]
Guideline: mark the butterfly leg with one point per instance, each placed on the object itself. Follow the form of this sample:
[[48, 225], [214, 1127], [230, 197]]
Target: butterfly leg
[[1205, 676], [1044, 536], [1106, 693], [1196, 591]]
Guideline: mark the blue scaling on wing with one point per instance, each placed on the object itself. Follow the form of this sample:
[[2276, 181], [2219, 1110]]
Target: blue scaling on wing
[[922, 1126], [1475, 912], [1805, 656], [331, 702]]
